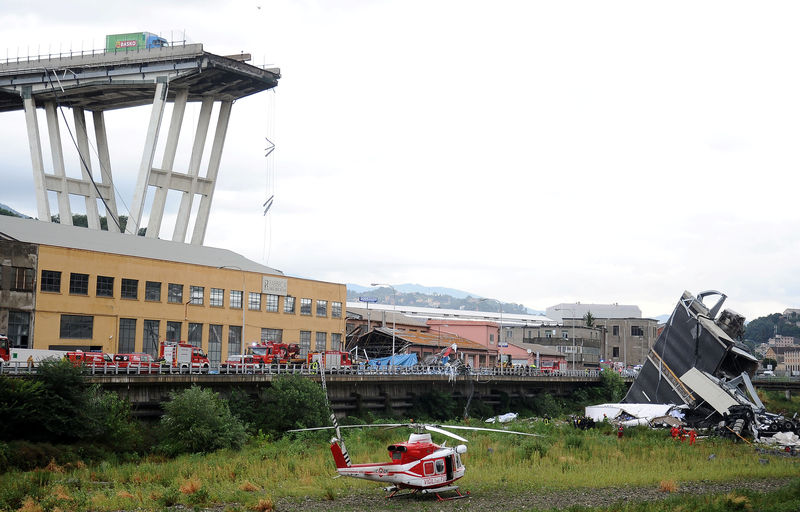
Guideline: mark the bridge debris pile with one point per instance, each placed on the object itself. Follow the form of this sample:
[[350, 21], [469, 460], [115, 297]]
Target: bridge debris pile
[[697, 366]]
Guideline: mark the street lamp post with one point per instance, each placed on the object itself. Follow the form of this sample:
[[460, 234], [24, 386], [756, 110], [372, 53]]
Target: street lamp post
[[241, 341], [500, 330], [394, 315], [572, 312]]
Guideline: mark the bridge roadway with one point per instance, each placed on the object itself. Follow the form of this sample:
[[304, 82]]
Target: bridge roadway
[[356, 390], [352, 392]]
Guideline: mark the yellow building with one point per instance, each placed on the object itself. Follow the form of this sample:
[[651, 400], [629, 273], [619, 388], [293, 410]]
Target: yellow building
[[98, 290]]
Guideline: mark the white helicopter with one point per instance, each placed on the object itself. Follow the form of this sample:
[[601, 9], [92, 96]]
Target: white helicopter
[[418, 464]]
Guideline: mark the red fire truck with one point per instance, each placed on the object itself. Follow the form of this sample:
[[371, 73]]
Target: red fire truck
[[270, 352], [180, 354]]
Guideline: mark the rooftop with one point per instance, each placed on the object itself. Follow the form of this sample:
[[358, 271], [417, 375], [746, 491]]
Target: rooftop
[[73, 237]]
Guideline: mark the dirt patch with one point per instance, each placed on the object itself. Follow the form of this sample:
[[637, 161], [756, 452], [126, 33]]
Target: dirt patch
[[374, 501]]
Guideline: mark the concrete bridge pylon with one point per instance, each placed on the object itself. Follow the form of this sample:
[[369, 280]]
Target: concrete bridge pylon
[[100, 81]]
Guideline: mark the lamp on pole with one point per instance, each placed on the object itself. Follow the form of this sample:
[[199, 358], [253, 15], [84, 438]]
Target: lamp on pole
[[394, 315], [572, 312], [241, 341], [500, 330]]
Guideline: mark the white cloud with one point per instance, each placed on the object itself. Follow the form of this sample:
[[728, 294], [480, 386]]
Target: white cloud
[[533, 152]]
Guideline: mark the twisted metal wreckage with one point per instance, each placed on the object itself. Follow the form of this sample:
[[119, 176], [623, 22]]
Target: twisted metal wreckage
[[699, 375]]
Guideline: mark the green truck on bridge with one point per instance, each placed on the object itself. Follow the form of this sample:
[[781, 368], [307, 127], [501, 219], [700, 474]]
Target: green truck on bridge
[[134, 41]]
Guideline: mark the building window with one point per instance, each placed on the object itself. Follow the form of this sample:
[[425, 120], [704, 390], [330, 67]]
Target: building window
[[275, 335], [175, 293], [336, 310], [272, 303], [105, 286], [305, 307], [234, 340], [150, 338], [196, 295], [614, 351], [637, 330], [23, 279], [615, 330], [305, 343], [491, 338], [127, 335], [235, 300], [214, 344], [565, 335], [216, 297], [174, 331], [130, 289], [152, 291], [76, 327], [196, 334], [322, 342], [51, 281], [336, 341], [322, 308], [18, 328], [254, 301], [288, 305], [78, 284]]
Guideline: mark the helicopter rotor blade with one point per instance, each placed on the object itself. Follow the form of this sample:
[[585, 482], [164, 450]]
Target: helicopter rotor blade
[[434, 428], [388, 425], [460, 427]]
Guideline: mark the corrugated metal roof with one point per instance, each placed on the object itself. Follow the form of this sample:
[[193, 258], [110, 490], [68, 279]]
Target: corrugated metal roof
[[73, 237], [377, 316], [435, 340], [461, 314]]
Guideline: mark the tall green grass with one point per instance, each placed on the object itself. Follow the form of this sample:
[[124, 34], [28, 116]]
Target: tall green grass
[[265, 471]]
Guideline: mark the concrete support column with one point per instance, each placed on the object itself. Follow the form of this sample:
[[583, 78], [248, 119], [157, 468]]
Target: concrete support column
[[42, 205], [201, 223], [140, 192], [160, 198], [104, 158], [57, 153], [185, 209], [85, 161]]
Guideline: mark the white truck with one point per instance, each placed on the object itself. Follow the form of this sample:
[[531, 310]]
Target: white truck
[[21, 355]]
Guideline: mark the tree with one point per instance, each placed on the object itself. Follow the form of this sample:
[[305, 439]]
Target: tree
[[197, 420], [589, 319], [295, 402], [766, 362]]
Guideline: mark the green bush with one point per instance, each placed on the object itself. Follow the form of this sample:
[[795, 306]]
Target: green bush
[[197, 420], [294, 402]]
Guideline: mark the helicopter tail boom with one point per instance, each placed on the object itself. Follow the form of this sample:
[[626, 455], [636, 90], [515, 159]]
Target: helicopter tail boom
[[340, 455]]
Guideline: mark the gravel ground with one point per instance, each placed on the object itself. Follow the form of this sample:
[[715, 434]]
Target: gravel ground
[[374, 500]]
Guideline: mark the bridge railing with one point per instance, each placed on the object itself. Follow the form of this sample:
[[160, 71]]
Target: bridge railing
[[23, 368]]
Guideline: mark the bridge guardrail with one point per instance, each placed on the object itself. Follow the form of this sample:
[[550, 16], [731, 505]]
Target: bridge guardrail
[[18, 368]]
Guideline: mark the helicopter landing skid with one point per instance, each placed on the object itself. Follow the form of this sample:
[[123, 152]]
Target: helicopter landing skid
[[437, 492]]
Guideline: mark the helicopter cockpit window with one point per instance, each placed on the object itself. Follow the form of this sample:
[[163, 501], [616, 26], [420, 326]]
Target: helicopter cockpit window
[[440, 466], [428, 468]]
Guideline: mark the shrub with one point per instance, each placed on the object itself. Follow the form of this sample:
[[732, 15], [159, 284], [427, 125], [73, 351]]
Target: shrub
[[197, 420], [294, 402]]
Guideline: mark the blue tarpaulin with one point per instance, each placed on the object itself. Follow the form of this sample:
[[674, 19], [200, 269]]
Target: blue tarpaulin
[[397, 360]]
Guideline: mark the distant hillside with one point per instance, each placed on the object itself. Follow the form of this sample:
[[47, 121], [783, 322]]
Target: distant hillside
[[7, 210], [433, 297]]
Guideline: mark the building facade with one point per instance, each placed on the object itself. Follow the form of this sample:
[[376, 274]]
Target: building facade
[[95, 290]]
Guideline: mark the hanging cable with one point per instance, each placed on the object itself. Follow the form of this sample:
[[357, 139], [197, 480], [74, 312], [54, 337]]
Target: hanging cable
[[81, 156]]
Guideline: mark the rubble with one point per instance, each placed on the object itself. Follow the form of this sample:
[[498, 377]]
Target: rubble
[[698, 366]]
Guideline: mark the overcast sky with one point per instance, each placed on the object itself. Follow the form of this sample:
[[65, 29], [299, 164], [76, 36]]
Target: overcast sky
[[533, 152]]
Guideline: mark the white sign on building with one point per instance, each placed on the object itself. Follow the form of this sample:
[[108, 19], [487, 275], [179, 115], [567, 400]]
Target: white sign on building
[[274, 285]]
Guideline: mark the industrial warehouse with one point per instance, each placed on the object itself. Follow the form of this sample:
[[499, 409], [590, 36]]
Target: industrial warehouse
[[68, 288]]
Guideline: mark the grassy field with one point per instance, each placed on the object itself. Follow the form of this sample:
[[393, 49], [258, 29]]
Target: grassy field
[[265, 471]]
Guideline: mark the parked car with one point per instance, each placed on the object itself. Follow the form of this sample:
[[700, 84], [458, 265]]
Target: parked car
[[137, 361], [92, 359]]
